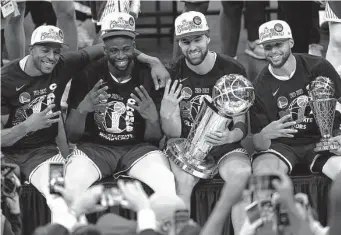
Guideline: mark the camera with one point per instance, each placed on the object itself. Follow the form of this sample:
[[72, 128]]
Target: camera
[[56, 176]]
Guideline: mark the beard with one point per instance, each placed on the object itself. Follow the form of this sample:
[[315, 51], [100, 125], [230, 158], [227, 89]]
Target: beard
[[279, 64], [199, 59]]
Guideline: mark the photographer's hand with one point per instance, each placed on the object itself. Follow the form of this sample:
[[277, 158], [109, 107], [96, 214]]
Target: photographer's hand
[[250, 229], [13, 203]]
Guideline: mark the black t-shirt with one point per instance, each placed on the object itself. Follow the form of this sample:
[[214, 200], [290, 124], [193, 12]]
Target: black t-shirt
[[119, 124], [196, 87], [276, 98], [23, 95]]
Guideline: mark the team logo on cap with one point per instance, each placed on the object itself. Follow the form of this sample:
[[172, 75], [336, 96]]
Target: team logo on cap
[[197, 20], [188, 26], [278, 27], [270, 33], [52, 34], [120, 23]]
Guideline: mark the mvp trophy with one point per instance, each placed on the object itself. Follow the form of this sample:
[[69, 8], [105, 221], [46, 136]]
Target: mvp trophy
[[323, 104], [232, 95]]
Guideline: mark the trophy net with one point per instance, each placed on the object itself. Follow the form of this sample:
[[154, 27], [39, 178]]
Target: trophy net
[[324, 112]]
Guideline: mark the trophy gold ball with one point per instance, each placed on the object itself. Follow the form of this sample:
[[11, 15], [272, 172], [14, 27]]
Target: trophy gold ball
[[232, 95], [323, 105]]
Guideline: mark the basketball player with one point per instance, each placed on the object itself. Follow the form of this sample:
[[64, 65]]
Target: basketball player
[[113, 118], [194, 75], [285, 131]]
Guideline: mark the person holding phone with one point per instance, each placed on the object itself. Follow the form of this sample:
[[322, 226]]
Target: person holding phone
[[284, 127]]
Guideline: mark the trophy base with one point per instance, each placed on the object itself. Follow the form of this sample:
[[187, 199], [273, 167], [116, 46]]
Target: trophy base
[[326, 146], [204, 169]]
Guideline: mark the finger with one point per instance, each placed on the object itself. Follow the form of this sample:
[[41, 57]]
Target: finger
[[59, 189], [140, 94], [180, 98], [155, 81], [287, 124], [98, 208], [101, 107], [145, 92], [178, 90], [257, 223], [163, 81], [287, 135], [96, 86], [285, 118], [168, 84], [138, 101], [48, 109], [175, 84], [335, 139], [215, 135], [139, 187], [276, 183], [288, 131], [49, 122], [52, 115], [120, 184], [137, 108], [101, 91]]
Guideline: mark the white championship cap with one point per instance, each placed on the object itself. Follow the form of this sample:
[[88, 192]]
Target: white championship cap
[[190, 23], [274, 30], [48, 34], [118, 24]]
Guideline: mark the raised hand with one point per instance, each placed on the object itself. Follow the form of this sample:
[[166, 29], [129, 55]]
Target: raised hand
[[159, 74], [170, 101], [280, 128], [135, 195], [145, 105], [42, 120], [95, 99]]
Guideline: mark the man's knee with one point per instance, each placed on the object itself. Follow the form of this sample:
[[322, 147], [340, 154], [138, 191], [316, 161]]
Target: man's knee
[[64, 9], [268, 163], [237, 167]]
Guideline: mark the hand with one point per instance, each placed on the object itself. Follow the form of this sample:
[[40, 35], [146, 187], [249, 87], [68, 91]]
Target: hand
[[284, 187], [250, 229], [277, 129], [145, 105], [219, 138], [86, 202], [159, 74], [170, 101], [337, 140], [135, 195], [13, 203], [42, 120], [94, 100]]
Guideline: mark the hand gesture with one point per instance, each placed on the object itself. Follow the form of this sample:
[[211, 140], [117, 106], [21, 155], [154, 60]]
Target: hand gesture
[[145, 105], [159, 74], [284, 187], [86, 202], [217, 138], [250, 229], [42, 120], [95, 99], [134, 194], [171, 99], [337, 140], [280, 128]]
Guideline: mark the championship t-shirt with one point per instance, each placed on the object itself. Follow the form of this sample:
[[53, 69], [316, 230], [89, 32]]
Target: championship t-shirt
[[276, 98], [23, 95], [196, 87], [119, 124]]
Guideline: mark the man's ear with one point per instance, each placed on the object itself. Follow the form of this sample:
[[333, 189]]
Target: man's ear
[[30, 48], [105, 50], [208, 39], [291, 42]]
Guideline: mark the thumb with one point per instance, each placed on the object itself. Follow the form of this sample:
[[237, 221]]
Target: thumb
[[257, 223]]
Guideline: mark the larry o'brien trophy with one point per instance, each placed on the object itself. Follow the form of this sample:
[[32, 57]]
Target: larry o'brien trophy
[[232, 95], [323, 104]]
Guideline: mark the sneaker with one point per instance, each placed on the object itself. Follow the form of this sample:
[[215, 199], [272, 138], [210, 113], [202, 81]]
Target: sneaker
[[255, 50], [315, 49]]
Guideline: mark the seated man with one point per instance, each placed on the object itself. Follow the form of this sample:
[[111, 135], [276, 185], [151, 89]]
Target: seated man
[[196, 72], [284, 127], [116, 124]]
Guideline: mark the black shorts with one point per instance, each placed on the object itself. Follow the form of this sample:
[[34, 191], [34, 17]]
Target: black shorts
[[115, 160], [292, 155], [223, 151], [30, 159]]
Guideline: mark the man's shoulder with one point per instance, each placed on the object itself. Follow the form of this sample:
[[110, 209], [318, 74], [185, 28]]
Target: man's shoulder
[[9, 68], [310, 62], [262, 77]]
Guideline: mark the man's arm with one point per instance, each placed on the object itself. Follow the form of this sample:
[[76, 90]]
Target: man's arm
[[75, 124], [10, 136], [153, 132], [239, 130], [61, 139], [171, 125]]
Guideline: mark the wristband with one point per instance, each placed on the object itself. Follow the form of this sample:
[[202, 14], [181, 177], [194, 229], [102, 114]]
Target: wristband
[[241, 126]]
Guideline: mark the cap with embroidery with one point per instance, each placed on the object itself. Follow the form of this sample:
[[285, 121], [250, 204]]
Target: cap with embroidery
[[48, 34], [274, 30], [118, 24], [190, 23]]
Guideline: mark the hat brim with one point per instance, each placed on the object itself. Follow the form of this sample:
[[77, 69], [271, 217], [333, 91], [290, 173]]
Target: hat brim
[[274, 40], [119, 33], [62, 45], [196, 33]]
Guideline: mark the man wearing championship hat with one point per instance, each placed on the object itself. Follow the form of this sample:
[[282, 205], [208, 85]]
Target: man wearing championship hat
[[32, 133], [193, 78], [113, 117], [284, 127]]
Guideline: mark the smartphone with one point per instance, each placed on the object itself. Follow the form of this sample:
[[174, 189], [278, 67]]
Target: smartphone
[[253, 212], [56, 176], [181, 219]]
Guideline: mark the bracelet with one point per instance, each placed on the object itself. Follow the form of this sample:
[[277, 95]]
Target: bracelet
[[241, 126]]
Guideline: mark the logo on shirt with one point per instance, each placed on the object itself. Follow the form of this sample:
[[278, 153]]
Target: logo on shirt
[[186, 92], [274, 94], [282, 102], [19, 88], [24, 98]]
